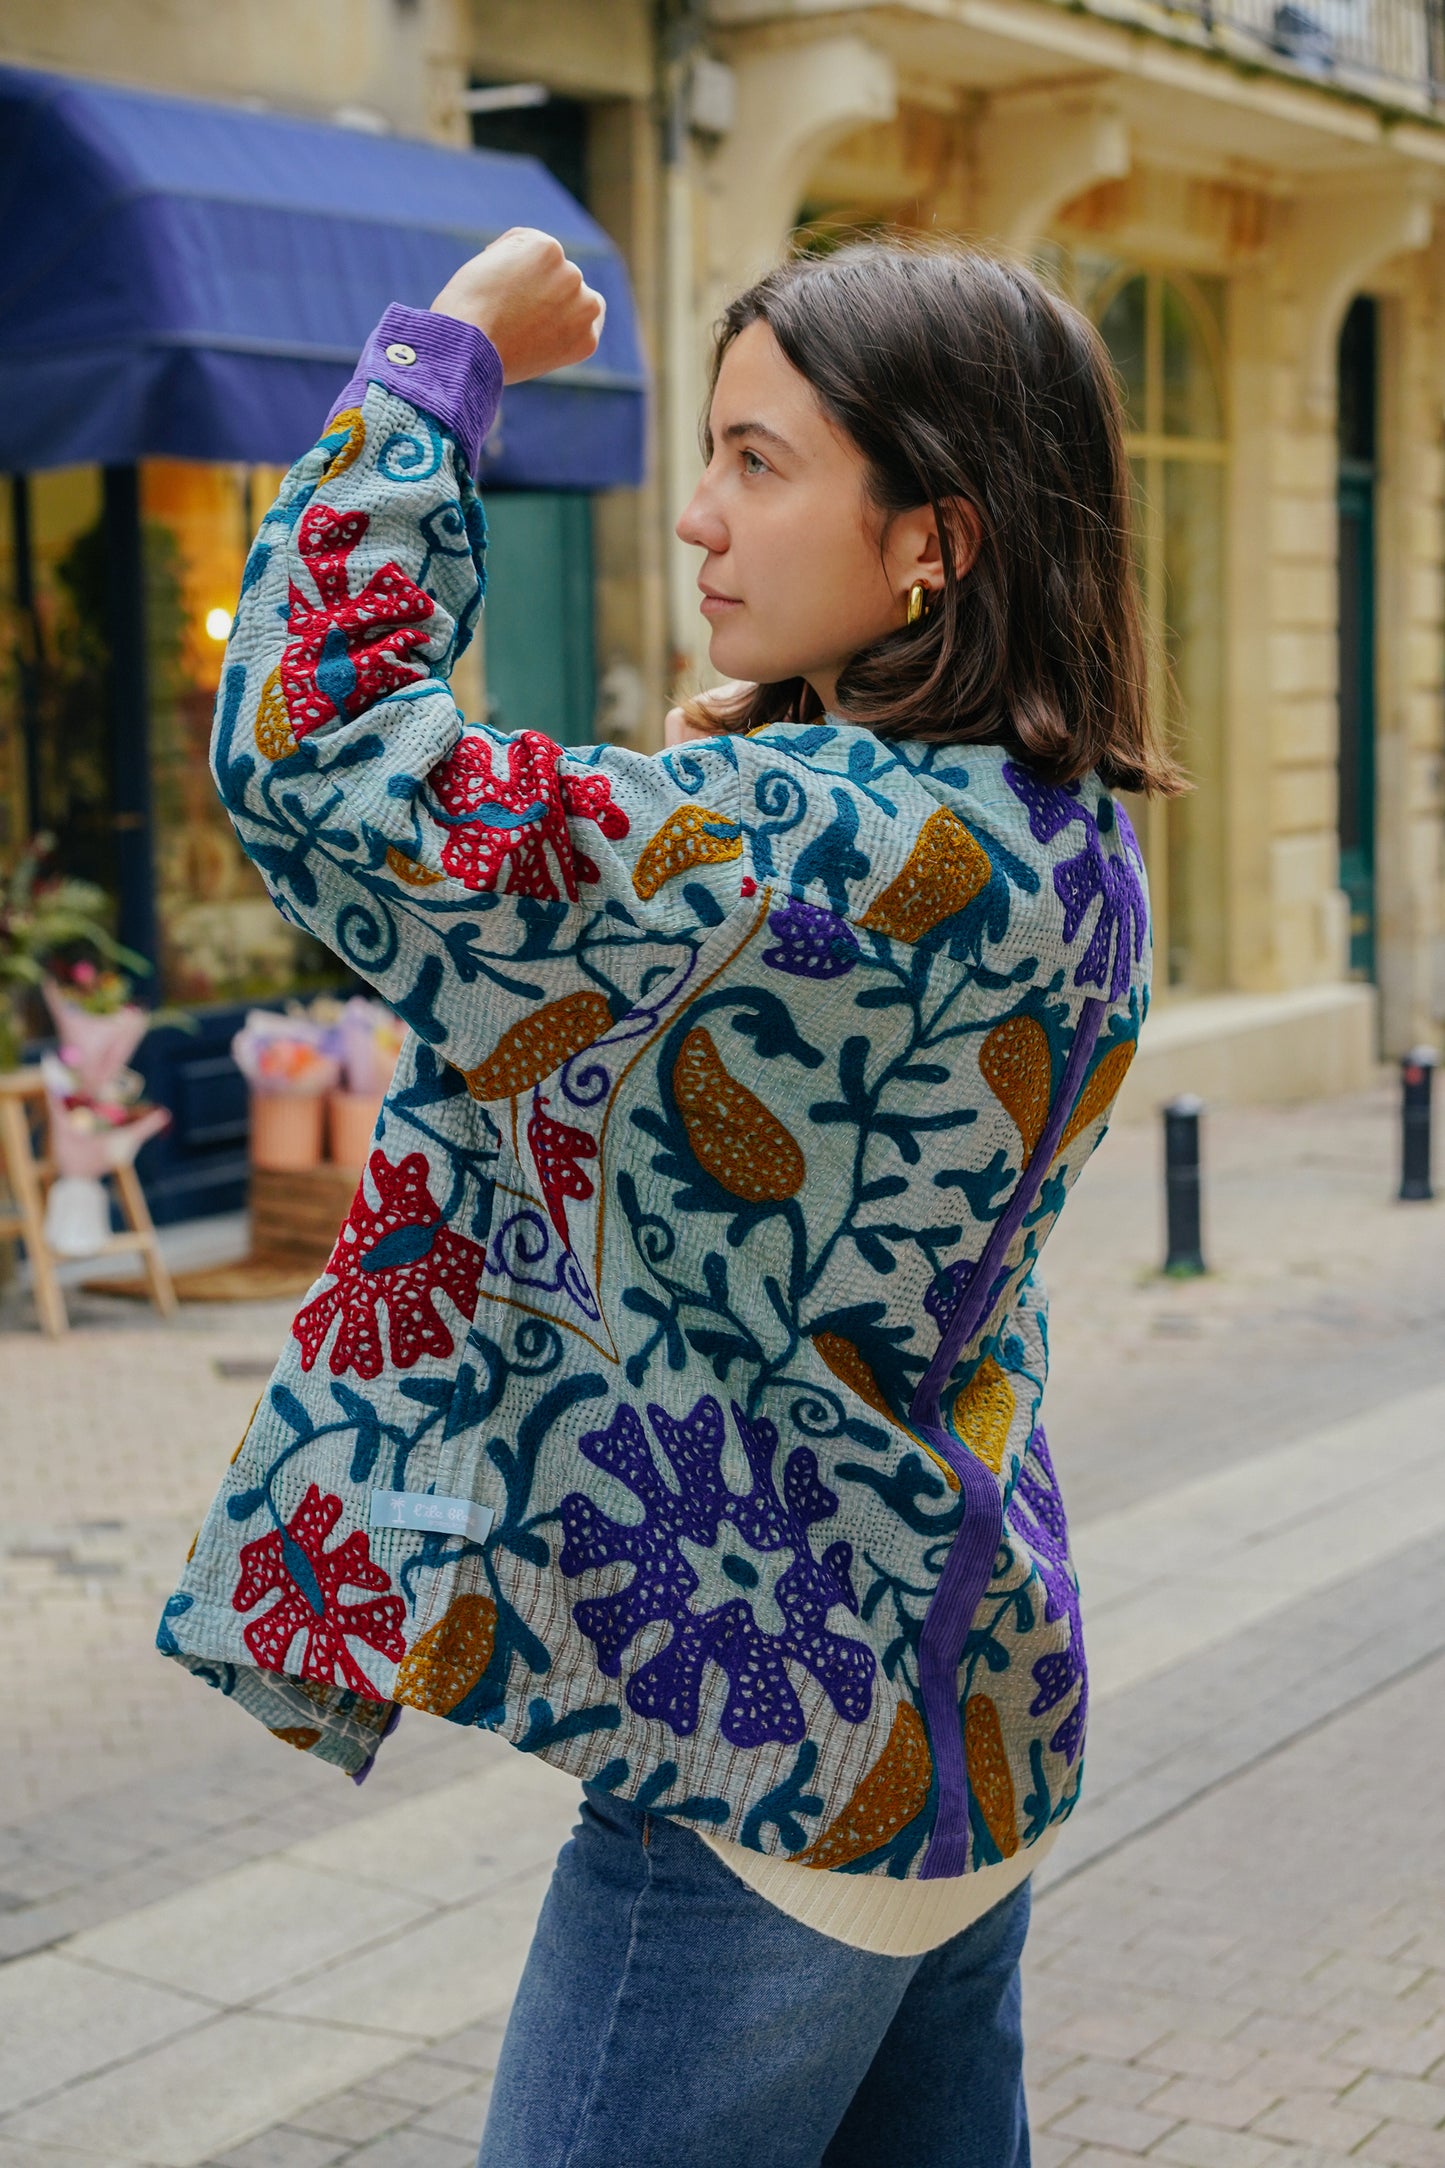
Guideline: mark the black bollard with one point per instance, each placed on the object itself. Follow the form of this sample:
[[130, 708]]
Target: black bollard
[[1417, 1077], [1185, 1259]]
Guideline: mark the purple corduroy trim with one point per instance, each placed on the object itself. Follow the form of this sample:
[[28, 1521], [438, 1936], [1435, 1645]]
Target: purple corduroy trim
[[456, 377], [969, 1564], [359, 1776]]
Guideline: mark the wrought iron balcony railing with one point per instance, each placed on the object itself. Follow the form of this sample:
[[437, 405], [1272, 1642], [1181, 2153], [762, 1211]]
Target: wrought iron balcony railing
[[1391, 51]]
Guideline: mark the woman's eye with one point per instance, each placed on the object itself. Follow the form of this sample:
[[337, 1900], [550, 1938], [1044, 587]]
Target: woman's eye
[[754, 463]]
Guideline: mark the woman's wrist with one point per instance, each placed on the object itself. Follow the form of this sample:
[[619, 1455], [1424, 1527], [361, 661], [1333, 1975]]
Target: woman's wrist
[[440, 364]]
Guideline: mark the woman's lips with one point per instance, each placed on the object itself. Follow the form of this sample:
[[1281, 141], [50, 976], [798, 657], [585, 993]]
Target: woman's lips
[[718, 605]]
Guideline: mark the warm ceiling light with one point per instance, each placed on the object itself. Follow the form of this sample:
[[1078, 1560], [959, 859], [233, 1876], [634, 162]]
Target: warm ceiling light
[[218, 624]]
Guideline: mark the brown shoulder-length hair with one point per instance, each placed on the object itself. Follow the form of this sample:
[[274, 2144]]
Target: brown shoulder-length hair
[[961, 377]]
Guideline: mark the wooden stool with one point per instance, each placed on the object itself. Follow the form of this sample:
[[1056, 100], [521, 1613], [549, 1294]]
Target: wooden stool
[[21, 1092]]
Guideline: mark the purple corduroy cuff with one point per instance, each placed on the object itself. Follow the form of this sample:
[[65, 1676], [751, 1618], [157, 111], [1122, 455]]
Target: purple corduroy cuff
[[446, 368]]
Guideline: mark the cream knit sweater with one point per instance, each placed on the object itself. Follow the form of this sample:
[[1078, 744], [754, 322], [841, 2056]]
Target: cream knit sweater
[[874, 1912]]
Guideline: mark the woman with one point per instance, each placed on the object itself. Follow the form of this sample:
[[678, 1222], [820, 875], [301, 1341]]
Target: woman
[[670, 1403]]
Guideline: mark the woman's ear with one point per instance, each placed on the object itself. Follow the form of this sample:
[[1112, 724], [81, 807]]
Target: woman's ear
[[915, 548], [965, 534]]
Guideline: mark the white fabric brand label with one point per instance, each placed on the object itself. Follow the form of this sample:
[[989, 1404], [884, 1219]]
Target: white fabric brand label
[[425, 1509]]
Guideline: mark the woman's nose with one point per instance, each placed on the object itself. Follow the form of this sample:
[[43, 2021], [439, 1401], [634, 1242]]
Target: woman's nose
[[700, 524]]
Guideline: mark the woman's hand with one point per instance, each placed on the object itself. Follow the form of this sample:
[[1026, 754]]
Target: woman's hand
[[721, 700], [530, 300]]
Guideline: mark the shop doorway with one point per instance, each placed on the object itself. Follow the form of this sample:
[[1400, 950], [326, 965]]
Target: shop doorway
[[1358, 402], [537, 625]]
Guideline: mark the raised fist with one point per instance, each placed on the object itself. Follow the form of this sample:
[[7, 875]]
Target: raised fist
[[530, 300]]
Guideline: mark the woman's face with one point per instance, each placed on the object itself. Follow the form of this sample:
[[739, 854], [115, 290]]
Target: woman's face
[[798, 574]]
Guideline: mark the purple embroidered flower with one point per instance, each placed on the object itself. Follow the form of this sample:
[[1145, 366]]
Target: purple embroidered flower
[[702, 1511], [812, 943], [1046, 1532], [1091, 876], [1050, 806], [1117, 941], [941, 1297]]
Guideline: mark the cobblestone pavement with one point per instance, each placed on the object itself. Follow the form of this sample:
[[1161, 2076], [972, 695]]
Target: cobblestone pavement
[[220, 1954]]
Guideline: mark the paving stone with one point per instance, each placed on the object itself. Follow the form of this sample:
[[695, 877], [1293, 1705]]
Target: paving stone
[[474, 2047], [1369, 1976], [1043, 2066], [202, 2092], [463, 2116], [1405, 2145], [414, 2149], [1291, 2074], [1204, 2100], [355, 2116], [1111, 2034], [421, 2080], [1108, 2122], [1187, 2055], [1410, 2100], [1310, 2120], [1051, 2152], [15, 2155], [1204, 2145], [282, 2148], [1272, 2031], [1091, 2077], [1048, 2102]]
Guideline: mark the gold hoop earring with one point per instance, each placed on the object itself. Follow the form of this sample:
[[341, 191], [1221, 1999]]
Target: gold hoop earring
[[916, 595]]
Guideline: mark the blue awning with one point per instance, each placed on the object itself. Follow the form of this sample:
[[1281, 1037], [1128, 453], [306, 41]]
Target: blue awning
[[194, 281]]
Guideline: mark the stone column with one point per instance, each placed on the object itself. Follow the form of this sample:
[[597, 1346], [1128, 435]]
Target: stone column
[[1035, 151], [1409, 738], [730, 212]]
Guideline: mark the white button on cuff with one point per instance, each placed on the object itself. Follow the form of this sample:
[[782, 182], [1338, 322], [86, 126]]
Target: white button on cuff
[[402, 355]]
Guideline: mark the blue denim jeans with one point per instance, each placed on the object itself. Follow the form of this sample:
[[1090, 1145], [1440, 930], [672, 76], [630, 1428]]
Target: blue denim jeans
[[669, 2017]]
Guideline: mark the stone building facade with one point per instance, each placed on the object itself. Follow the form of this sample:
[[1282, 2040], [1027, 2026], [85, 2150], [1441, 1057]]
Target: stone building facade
[[1244, 197], [1247, 208]]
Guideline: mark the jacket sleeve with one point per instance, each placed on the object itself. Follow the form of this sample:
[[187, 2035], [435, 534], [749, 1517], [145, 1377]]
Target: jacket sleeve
[[471, 875]]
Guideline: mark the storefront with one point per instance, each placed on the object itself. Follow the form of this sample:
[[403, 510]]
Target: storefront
[[186, 287]]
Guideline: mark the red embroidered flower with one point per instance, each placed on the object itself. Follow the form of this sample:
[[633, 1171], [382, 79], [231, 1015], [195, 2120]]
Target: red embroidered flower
[[350, 650], [294, 1564], [396, 1256], [520, 817], [556, 1149]]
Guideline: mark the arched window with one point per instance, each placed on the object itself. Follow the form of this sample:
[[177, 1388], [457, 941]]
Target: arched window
[[1165, 334]]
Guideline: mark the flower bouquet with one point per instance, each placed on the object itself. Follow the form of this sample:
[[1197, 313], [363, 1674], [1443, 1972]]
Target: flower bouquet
[[287, 1059], [98, 1120]]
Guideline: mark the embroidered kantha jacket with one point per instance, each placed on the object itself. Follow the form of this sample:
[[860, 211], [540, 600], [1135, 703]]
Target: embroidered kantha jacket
[[671, 1400]]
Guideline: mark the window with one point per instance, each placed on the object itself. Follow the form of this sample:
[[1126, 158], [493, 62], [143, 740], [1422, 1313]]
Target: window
[[54, 672], [1165, 334], [219, 935], [68, 738]]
